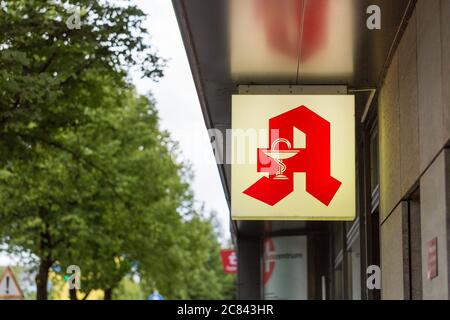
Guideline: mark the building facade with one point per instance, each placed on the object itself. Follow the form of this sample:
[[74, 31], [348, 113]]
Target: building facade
[[414, 133], [400, 76]]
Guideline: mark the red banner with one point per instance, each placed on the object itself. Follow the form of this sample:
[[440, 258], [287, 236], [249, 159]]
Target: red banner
[[229, 260]]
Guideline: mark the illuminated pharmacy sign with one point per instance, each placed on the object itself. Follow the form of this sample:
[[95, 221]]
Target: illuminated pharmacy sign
[[293, 157]]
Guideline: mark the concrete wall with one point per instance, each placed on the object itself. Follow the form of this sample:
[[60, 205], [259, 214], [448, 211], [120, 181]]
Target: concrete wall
[[392, 263], [434, 211], [414, 127]]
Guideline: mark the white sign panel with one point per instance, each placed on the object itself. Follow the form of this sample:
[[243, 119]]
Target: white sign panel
[[293, 157], [285, 268]]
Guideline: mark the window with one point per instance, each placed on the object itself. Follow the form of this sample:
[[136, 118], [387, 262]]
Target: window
[[353, 274], [338, 275], [374, 160], [371, 200], [337, 246]]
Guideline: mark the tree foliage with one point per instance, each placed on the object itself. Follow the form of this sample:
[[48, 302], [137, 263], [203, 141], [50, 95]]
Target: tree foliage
[[199, 274], [48, 72], [86, 175]]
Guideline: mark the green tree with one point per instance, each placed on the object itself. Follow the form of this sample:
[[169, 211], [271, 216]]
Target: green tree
[[46, 68], [142, 209], [101, 212], [193, 259], [53, 81], [86, 175], [129, 290]]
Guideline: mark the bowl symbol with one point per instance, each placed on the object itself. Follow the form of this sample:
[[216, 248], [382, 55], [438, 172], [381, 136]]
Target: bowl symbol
[[279, 156]]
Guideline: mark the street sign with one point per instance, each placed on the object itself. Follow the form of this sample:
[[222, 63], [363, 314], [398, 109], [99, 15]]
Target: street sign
[[293, 157], [9, 287], [155, 296], [229, 260]]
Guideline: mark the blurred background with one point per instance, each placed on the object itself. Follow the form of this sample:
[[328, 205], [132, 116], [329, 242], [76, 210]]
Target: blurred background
[[105, 163]]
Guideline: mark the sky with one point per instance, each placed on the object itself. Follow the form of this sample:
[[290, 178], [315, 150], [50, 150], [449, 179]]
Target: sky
[[179, 111]]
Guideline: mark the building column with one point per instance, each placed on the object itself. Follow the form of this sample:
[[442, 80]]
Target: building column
[[394, 246], [435, 221], [249, 268]]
